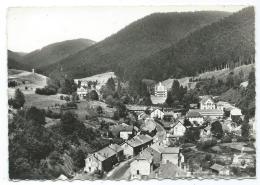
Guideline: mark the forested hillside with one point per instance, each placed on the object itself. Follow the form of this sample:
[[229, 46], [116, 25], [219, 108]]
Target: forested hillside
[[125, 49], [230, 40], [55, 52], [13, 61]]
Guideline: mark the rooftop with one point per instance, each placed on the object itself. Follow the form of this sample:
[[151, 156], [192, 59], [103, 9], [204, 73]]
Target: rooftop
[[217, 167], [139, 140], [116, 147], [104, 153], [193, 114]]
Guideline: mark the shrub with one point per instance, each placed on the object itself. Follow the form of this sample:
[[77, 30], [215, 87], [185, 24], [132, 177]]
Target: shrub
[[46, 91]]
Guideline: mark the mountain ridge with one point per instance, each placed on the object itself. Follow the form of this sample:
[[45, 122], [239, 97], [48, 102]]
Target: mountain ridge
[[134, 42]]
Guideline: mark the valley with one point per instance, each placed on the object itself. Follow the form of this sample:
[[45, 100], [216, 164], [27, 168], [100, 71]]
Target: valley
[[171, 95]]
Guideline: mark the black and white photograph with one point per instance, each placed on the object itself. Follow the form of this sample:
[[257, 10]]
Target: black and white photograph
[[131, 92]]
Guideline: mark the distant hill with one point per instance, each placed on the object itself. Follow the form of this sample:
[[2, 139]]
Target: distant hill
[[55, 52], [13, 60], [125, 49], [230, 40]]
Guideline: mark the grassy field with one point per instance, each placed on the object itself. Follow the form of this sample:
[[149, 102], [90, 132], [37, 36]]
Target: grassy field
[[42, 101], [27, 81]]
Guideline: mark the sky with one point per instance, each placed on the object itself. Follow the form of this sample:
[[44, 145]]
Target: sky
[[32, 28]]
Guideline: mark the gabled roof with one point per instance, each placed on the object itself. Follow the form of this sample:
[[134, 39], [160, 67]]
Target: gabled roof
[[166, 150], [139, 140], [171, 150], [104, 153], [116, 147], [147, 155], [204, 99], [217, 167]]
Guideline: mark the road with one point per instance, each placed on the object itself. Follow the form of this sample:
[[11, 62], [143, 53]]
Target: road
[[121, 171], [161, 133]]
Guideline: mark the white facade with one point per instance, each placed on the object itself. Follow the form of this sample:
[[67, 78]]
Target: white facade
[[207, 104], [125, 134], [170, 157], [179, 130], [128, 150], [140, 167], [157, 114], [199, 120], [160, 90], [92, 164], [81, 92], [236, 112]]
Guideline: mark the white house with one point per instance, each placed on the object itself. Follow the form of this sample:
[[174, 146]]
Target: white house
[[207, 103], [157, 114], [142, 165], [194, 116], [92, 164], [82, 91], [235, 112], [171, 154], [178, 129], [160, 90]]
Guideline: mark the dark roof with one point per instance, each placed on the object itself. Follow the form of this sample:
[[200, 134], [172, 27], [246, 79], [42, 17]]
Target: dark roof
[[205, 98], [193, 114], [217, 167]]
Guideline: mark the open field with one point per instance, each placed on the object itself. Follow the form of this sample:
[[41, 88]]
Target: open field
[[27, 81], [42, 101]]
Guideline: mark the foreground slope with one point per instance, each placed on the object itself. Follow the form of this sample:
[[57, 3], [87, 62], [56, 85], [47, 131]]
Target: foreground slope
[[121, 51]]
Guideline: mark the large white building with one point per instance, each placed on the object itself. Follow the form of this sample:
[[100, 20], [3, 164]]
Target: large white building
[[160, 90], [207, 103]]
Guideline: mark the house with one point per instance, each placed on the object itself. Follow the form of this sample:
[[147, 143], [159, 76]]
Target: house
[[160, 90], [92, 164], [207, 103], [135, 145], [123, 130], [172, 154], [142, 165], [82, 91], [194, 117], [243, 160], [157, 113], [177, 129], [220, 170], [103, 160], [156, 150], [160, 94], [119, 151], [167, 171], [235, 113]]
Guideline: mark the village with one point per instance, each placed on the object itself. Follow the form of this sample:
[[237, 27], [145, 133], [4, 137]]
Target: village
[[131, 93], [158, 149]]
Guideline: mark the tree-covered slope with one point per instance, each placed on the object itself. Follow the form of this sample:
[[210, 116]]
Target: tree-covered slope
[[229, 40], [55, 52], [125, 49]]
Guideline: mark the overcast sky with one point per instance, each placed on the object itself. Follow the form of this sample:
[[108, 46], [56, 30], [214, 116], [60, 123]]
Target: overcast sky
[[29, 29]]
